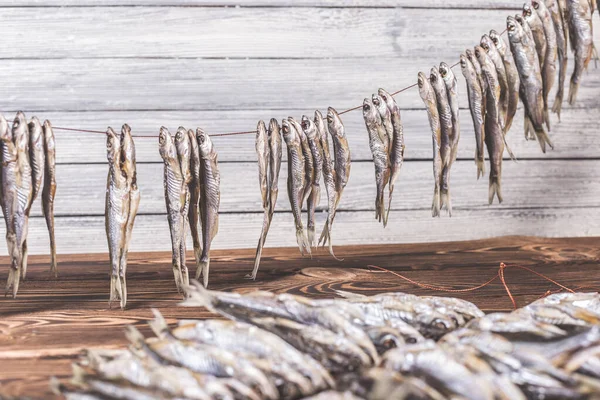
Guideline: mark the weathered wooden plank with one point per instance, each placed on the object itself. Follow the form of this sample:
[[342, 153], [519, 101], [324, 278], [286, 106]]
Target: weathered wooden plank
[[486, 4], [539, 183], [222, 85], [242, 32], [47, 326], [574, 137], [151, 232]]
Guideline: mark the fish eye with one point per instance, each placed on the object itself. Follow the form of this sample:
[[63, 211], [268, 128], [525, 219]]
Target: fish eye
[[201, 139], [366, 107], [305, 125], [420, 82], [384, 97], [285, 129], [376, 101], [329, 118]]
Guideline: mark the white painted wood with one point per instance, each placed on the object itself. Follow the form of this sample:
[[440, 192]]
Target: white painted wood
[[536, 183], [151, 233], [223, 85], [242, 32], [573, 137], [466, 4]]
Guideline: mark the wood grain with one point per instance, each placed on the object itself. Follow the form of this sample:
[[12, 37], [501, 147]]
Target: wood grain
[[44, 329], [573, 137], [534, 183], [241, 230]]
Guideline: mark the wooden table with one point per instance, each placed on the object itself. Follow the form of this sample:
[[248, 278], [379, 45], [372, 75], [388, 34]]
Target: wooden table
[[45, 328]]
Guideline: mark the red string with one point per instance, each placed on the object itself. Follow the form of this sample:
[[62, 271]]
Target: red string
[[501, 274]]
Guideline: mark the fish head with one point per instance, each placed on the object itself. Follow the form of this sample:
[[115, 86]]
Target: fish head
[[295, 125], [446, 72], [261, 133], [537, 5], [309, 128], [436, 80], [48, 135], [369, 111], [464, 63], [126, 140], [113, 146], [182, 141], [166, 146], [497, 41], [527, 11], [425, 89], [514, 28], [387, 98], [289, 134], [274, 130], [20, 131], [380, 104], [334, 123], [486, 43], [204, 143], [481, 55], [36, 134]]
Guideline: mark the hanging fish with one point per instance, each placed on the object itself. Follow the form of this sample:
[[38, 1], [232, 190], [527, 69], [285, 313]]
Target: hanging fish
[[194, 189], [475, 96], [175, 198], [558, 22], [210, 188], [183, 148], [316, 153], [49, 191], [116, 214], [429, 98], [582, 41], [454, 136], [549, 67]]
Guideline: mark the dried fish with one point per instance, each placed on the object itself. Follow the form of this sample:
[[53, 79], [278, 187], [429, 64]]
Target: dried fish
[[194, 189], [263, 153], [329, 178], [397, 149], [561, 33], [388, 140], [454, 135], [490, 48], [537, 29], [549, 67], [128, 168], [9, 197], [309, 167], [512, 77], [581, 36], [429, 98], [378, 144], [531, 91], [116, 213], [296, 181], [476, 97], [49, 190], [182, 146], [210, 188], [175, 198], [447, 129], [316, 154]]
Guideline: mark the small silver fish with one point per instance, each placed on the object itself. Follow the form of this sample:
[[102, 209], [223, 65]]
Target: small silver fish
[[549, 67], [397, 148], [175, 198], [309, 167], [210, 188], [116, 213], [129, 168], [316, 153], [49, 191], [452, 91], [492, 51], [581, 35], [475, 96], [561, 43], [194, 189], [183, 148], [429, 98], [537, 29], [378, 144], [341, 151]]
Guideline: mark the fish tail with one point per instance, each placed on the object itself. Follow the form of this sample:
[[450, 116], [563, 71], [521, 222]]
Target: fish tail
[[495, 189], [529, 135], [310, 231], [205, 266], [547, 117], [480, 166], [261, 243], [573, 89], [507, 148], [557, 106], [331, 251], [158, 324], [445, 201], [25, 253], [134, 336], [435, 207], [123, 291], [115, 289], [387, 213], [78, 372], [543, 139], [324, 234]]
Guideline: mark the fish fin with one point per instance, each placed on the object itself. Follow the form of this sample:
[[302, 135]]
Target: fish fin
[[123, 291], [547, 118], [480, 167], [573, 89], [55, 386], [557, 106], [495, 189], [310, 231], [332, 253], [158, 324], [507, 148], [435, 207], [14, 276], [543, 139], [445, 201], [79, 374], [134, 336], [387, 213], [198, 296]]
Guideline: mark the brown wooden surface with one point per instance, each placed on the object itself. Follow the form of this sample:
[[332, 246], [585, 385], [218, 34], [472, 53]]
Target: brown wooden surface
[[45, 328]]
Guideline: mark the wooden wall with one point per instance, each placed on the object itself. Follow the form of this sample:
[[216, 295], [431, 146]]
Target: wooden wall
[[224, 64]]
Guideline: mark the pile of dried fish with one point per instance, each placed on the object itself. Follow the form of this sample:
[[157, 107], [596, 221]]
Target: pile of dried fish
[[192, 188], [309, 158], [28, 167], [386, 140], [440, 95], [388, 346], [122, 202]]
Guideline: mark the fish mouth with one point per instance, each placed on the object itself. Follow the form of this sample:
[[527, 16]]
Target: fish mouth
[[511, 26], [535, 4], [376, 101], [526, 10], [305, 123], [443, 70], [366, 106], [463, 60]]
